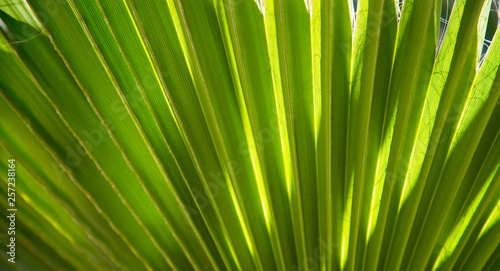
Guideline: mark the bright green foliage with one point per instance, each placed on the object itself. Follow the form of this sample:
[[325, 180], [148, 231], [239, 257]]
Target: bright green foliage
[[251, 134]]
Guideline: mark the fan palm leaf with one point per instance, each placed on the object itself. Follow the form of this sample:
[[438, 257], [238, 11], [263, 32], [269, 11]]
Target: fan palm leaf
[[249, 135]]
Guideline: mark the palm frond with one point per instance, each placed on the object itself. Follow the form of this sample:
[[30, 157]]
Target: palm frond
[[249, 135]]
